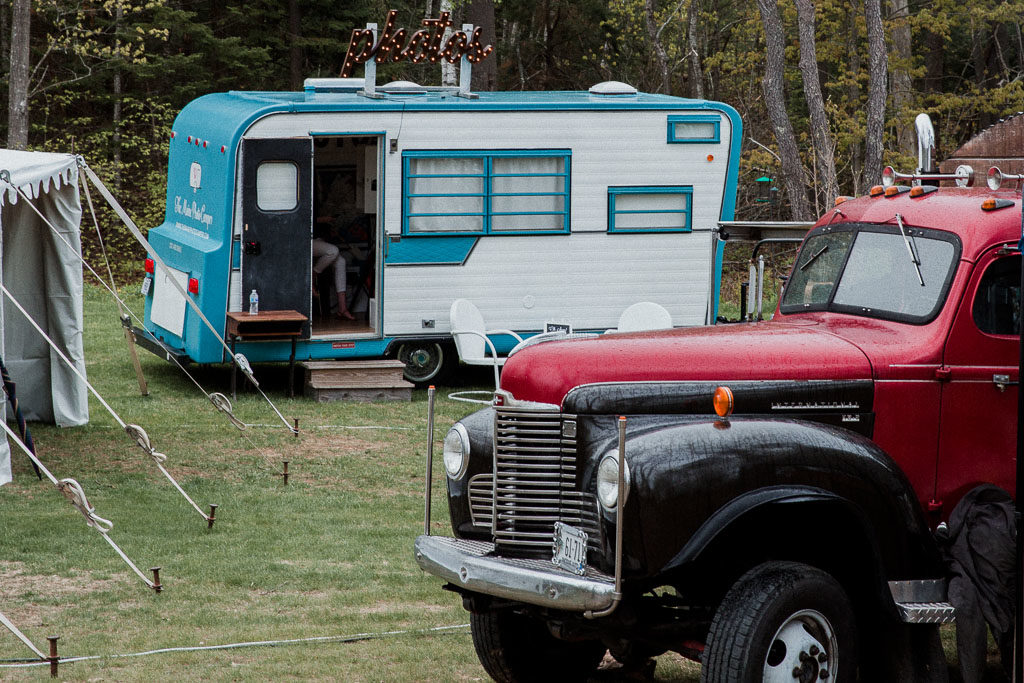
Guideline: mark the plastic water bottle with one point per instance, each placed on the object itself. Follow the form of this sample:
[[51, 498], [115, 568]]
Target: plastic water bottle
[[254, 303]]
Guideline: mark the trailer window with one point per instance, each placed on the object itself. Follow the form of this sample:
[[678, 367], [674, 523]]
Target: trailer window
[[486, 192], [649, 209], [277, 186], [694, 128]]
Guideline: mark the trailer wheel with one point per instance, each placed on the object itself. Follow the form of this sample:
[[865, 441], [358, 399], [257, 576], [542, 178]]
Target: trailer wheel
[[512, 647], [782, 621], [424, 361]]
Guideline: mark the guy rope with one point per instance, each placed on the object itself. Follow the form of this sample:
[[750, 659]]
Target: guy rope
[[73, 491], [134, 431]]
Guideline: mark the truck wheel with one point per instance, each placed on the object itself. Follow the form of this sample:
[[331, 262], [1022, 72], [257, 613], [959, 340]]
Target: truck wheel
[[424, 361], [513, 648], [782, 621]]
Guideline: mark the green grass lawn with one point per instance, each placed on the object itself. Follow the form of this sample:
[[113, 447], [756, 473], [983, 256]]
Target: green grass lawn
[[329, 555]]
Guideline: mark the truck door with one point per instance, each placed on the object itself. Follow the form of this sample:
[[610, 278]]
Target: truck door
[[978, 423], [277, 223]]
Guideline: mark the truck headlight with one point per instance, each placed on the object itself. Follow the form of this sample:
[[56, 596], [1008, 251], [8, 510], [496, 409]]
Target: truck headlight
[[608, 481], [456, 451]]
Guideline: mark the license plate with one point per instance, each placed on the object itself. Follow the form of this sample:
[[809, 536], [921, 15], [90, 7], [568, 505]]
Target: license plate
[[147, 282], [570, 548]]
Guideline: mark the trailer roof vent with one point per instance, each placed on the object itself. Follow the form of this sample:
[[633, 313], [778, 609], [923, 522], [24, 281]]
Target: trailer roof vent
[[323, 85], [612, 88], [403, 88]]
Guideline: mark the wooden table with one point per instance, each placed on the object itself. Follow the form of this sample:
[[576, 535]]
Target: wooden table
[[265, 326]]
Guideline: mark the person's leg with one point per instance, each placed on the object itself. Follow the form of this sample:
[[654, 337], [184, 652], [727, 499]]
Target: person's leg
[[341, 284], [324, 254]]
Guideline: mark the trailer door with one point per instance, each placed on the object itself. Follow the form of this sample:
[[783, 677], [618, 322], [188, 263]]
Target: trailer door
[[277, 223]]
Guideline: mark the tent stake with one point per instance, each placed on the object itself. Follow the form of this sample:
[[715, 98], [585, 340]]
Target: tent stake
[[156, 579], [54, 659], [285, 475], [213, 514]]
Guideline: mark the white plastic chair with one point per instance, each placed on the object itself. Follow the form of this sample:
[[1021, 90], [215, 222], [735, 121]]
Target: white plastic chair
[[471, 338], [645, 315]]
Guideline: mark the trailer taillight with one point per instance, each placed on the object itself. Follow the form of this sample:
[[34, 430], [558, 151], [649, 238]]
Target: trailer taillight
[[193, 285], [150, 266]]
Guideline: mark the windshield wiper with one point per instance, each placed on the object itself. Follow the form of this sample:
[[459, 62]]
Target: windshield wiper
[[814, 258], [911, 248]]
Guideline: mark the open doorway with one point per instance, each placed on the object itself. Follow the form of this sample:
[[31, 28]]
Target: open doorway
[[346, 236]]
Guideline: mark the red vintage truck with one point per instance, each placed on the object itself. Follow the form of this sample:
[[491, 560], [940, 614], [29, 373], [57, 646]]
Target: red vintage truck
[[761, 497]]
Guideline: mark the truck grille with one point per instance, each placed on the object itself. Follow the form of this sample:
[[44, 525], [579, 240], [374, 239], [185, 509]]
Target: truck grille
[[535, 482]]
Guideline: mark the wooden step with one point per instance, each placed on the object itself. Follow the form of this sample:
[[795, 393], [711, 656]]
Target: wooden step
[[356, 380]]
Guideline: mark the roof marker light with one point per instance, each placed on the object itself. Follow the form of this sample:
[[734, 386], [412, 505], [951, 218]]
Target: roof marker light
[[723, 402], [842, 198], [894, 190], [922, 190], [992, 204], [876, 191]]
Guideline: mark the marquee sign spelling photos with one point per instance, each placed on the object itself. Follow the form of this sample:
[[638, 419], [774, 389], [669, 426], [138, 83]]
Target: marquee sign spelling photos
[[423, 44]]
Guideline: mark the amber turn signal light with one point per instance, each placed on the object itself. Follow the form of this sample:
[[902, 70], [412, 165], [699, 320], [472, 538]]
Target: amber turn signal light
[[723, 401]]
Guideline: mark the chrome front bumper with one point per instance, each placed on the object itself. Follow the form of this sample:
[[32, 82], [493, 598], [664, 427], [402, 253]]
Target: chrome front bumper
[[471, 565]]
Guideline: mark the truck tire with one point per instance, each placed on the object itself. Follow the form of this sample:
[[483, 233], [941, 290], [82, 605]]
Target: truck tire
[[782, 621], [512, 648]]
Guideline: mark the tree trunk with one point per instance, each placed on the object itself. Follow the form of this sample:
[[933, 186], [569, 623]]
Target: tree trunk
[[772, 86], [692, 47], [17, 95], [659, 50], [902, 54], [877, 68], [481, 13], [115, 139], [821, 135], [853, 91], [295, 56], [449, 72]]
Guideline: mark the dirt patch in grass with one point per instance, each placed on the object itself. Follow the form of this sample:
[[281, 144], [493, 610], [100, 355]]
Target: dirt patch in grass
[[15, 583], [19, 591]]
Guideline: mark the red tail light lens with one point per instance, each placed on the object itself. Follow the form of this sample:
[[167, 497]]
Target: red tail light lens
[[150, 266], [193, 285]]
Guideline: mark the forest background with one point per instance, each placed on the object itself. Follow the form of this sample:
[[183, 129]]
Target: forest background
[[827, 90]]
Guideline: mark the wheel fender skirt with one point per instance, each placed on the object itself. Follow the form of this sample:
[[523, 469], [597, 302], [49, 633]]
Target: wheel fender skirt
[[737, 508], [692, 478]]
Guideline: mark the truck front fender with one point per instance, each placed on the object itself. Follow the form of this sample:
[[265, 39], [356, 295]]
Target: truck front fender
[[692, 478]]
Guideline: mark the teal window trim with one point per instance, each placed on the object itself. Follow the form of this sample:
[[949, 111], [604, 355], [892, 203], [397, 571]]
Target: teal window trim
[[684, 214], [713, 119], [488, 175]]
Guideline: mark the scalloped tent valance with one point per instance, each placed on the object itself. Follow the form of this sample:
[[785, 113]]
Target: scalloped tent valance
[[36, 173]]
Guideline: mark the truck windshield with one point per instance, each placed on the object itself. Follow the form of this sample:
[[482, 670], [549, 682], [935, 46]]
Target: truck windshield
[[872, 273]]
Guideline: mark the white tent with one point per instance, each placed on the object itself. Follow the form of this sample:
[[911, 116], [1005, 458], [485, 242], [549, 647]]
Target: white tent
[[45, 276]]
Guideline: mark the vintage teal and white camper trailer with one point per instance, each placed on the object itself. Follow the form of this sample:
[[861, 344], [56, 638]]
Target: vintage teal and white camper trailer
[[535, 206]]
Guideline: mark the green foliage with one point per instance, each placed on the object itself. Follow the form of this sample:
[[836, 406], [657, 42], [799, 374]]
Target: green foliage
[[965, 66]]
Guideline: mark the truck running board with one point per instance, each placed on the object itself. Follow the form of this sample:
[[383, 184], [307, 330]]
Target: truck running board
[[922, 602]]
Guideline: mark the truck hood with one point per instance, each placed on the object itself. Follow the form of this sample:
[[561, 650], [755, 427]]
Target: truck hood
[[755, 351]]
